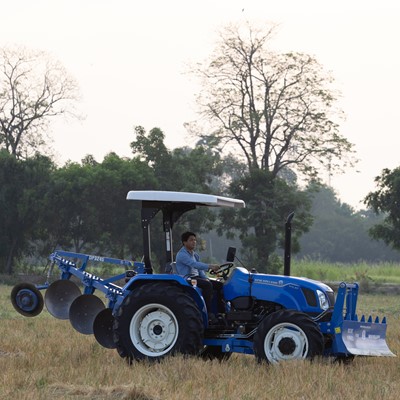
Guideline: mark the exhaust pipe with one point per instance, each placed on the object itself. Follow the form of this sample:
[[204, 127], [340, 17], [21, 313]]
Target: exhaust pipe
[[288, 244]]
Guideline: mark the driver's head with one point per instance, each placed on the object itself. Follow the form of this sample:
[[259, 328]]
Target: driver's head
[[189, 240]]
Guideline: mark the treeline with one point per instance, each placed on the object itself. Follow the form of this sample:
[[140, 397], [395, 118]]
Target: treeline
[[82, 206], [339, 234]]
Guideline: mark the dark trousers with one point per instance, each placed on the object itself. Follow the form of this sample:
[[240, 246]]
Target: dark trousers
[[208, 286]]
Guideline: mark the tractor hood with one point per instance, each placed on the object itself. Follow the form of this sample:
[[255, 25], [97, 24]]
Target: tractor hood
[[294, 293], [301, 293], [284, 280]]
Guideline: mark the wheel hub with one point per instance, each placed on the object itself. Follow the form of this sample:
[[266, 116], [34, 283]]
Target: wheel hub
[[285, 342], [26, 300], [154, 330], [157, 330], [287, 346]]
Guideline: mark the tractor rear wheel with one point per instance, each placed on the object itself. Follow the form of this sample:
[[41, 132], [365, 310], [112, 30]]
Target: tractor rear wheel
[[155, 320], [287, 335]]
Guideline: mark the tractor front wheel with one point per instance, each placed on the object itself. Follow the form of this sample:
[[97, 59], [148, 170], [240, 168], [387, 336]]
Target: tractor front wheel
[[287, 335], [158, 319]]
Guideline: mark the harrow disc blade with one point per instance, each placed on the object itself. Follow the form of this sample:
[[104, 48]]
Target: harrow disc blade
[[83, 311], [59, 297], [365, 338], [103, 328]]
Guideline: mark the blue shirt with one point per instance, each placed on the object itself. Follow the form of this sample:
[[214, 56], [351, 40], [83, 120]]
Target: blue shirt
[[188, 263]]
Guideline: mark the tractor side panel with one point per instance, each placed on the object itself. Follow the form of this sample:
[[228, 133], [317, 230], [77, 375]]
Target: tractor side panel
[[288, 296], [276, 289], [291, 293], [238, 284]]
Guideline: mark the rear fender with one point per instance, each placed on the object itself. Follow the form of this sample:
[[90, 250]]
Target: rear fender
[[145, 279]]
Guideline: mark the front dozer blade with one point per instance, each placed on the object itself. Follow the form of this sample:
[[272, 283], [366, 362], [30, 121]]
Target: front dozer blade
[[365, 338]]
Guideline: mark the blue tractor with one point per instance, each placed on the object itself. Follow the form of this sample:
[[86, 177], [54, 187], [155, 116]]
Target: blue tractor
[[150, 316]]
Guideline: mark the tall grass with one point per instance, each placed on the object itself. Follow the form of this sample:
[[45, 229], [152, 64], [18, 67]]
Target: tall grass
[[45, 358], [336, 272]]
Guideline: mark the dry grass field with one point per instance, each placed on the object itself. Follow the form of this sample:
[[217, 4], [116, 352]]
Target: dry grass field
[[45, 358]]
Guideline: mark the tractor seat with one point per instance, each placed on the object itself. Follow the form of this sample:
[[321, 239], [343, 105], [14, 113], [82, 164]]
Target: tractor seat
[[170, 268]]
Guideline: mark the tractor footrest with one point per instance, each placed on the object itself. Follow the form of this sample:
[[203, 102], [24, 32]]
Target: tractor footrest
[[239, 316]]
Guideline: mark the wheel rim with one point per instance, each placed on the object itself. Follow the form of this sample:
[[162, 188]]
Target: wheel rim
[[154, 330], [285, 342]]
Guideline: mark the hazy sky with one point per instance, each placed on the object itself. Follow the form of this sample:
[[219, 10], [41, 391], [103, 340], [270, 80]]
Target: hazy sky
[[129, 59]]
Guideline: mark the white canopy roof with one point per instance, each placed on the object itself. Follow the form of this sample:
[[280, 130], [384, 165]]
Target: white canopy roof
[[185, 197]]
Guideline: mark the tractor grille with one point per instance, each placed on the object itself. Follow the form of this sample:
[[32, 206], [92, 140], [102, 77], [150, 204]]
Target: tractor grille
[[331, 298], [310, 296]]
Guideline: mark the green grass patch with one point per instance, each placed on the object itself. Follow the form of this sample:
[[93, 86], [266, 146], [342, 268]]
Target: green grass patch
[[336, 272]]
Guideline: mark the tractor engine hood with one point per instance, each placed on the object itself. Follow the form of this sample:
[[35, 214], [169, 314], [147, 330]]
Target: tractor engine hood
[[295, 293], [284, 280]]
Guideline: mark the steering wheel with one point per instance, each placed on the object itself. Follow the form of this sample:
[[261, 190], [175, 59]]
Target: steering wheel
[[223, 270]]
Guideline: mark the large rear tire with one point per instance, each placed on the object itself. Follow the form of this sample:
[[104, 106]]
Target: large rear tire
[[156, 320], [287, 335]]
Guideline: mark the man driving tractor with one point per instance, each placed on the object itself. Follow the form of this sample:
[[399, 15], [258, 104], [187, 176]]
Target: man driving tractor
[[188, 264]]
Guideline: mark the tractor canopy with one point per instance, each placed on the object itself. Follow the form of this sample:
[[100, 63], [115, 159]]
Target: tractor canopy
[[172, 205]]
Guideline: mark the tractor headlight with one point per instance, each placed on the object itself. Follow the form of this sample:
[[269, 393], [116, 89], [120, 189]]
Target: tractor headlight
[[323, 300]]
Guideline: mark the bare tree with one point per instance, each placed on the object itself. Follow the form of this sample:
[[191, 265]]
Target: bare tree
[[33, 89], [276, 109]]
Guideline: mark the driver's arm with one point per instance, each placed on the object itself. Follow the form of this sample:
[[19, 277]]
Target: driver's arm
[[185, 262]]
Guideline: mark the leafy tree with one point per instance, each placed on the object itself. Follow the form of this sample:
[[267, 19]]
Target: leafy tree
[[87, 207], [150, 146], [73, 220], [386, 200], [120, 221], [182, 169], [22, 184], [278, 112], [33, 89], [268, 203]]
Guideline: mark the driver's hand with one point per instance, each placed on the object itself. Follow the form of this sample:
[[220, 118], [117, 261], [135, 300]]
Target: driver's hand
[[214, 267]]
